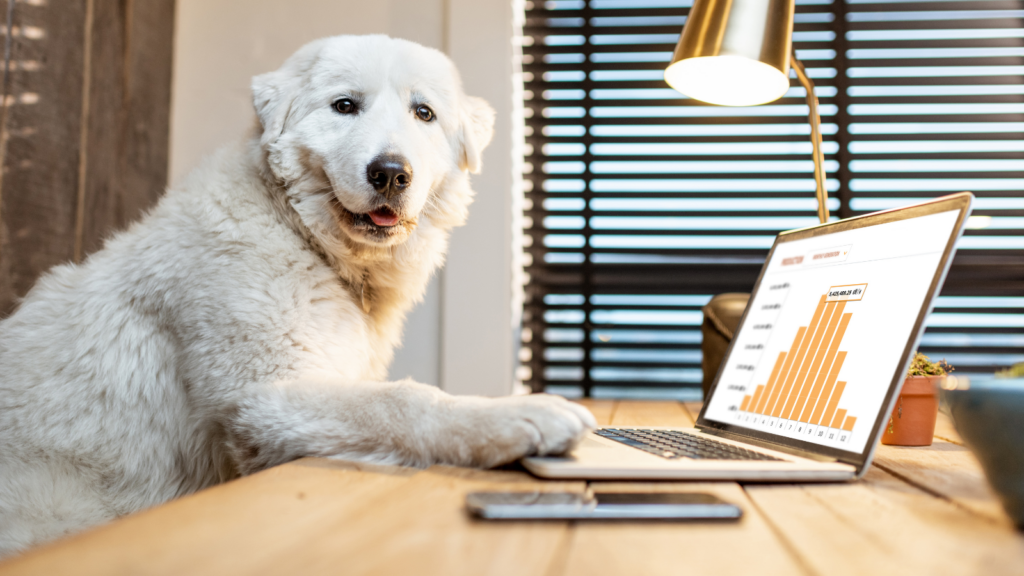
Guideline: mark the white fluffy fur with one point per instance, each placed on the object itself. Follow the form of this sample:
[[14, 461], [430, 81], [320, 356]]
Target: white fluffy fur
[[226, 331]]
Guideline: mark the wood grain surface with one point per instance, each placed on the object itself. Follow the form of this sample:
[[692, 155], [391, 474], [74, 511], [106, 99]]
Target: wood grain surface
[[920, 511], [655, 548]]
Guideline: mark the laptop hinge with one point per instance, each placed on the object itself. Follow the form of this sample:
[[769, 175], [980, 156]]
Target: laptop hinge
[[769, 445]]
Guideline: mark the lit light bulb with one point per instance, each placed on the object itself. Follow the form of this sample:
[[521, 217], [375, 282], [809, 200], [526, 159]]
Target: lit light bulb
[[727, 80]]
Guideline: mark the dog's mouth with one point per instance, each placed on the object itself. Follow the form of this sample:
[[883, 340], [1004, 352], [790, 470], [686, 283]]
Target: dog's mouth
[[381, 218], [380, 224]]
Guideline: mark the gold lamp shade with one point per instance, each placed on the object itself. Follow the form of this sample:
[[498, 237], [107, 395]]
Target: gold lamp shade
[[734, 52], [738, 53]]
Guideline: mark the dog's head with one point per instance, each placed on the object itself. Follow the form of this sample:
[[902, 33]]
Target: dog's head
[[367, 133]]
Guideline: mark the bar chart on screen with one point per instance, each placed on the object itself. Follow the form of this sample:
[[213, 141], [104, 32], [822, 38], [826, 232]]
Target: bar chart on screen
[[803, 394], [827, 333]]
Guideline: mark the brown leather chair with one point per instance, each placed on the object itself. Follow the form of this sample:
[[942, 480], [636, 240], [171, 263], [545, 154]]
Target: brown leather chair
[[721, 317]]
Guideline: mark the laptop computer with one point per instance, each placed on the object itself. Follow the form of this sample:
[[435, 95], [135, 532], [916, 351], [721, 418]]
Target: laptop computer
[[816, 364]]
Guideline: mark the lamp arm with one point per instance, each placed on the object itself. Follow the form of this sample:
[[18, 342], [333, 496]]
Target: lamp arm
[[815, 120]]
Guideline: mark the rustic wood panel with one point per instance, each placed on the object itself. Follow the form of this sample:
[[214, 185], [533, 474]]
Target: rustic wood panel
[[129, 114], [84, 122], [42, 111]]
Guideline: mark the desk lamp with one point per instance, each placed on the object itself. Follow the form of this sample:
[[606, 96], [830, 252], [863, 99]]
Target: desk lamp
[[738, 53]]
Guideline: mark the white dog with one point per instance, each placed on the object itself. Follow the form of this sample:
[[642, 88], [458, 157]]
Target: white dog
[[249, 319]]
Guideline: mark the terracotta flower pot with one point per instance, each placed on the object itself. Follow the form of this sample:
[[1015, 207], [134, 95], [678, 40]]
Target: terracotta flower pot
[[913, 418]]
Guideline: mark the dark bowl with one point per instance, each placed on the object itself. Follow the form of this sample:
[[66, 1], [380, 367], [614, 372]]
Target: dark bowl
[[989, 415]]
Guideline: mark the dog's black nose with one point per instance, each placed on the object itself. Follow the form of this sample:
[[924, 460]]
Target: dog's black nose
[[389, 174]]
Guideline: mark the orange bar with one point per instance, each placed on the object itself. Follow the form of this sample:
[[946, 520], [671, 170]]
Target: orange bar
[[832, 403], [836, 341], [759, 405], [746, 401], [788, 386], [839, 416], [848, 424], [756, 397], [813, 386], [796, 399], [829, 384], [777, 385]]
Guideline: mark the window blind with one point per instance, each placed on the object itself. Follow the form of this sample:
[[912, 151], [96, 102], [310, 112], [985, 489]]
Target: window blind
[[641, 203]]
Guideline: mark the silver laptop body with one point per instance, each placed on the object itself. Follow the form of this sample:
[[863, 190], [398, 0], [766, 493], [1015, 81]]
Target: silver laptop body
[[816, 364]]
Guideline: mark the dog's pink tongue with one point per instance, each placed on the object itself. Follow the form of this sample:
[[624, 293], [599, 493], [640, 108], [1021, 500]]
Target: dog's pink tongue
[[383, 218]]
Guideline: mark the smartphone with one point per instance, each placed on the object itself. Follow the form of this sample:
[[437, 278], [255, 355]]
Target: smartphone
[[600, 506]]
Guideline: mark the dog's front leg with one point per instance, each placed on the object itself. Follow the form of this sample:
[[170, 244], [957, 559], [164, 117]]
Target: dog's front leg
[[398, 423]]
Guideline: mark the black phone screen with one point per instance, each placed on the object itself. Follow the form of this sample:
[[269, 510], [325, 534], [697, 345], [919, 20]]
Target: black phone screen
[[600, 506]]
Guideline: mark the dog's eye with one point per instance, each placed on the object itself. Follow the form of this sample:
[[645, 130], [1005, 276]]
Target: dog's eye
[[344, 106], [424, 113]]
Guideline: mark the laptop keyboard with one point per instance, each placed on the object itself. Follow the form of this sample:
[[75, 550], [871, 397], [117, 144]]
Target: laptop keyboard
[[673, 444]]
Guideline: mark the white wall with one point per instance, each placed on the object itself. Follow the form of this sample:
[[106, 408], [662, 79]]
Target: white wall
[[462, 336]]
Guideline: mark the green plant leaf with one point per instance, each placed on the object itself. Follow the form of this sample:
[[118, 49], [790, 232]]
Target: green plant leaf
[[923, 366]]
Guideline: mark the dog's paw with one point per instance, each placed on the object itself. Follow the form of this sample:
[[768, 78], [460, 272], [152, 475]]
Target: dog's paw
[[534, 425]]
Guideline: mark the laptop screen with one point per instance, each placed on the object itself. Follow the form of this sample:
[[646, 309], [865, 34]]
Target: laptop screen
[[827, 330]]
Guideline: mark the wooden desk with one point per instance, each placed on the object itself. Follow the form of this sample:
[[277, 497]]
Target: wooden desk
[[918, 511]]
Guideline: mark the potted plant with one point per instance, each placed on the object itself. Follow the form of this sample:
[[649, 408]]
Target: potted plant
[[1015, 371], [913, 418]]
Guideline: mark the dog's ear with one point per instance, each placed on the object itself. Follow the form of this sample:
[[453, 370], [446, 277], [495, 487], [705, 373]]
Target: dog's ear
[[475, 132], [273, 94]]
